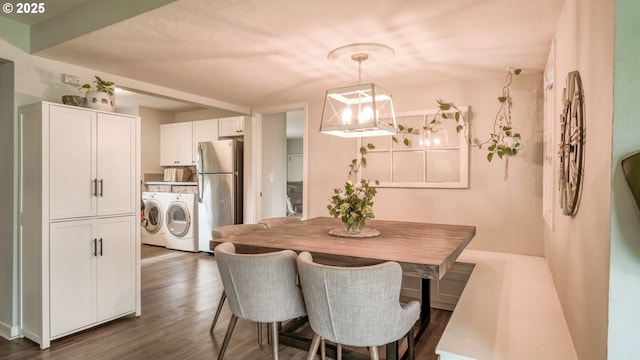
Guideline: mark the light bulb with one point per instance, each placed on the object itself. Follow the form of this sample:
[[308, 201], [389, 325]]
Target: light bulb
[[365, 115], [346, 116]]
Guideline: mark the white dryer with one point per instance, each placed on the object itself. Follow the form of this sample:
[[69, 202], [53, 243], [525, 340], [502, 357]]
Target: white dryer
[[154, 228], [180, 220]]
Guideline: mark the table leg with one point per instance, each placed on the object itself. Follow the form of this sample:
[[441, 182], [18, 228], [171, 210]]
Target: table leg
[[425, 313]]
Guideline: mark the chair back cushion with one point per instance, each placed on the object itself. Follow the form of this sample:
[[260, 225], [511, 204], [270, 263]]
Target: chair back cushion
[[260, 287], [357, 306]]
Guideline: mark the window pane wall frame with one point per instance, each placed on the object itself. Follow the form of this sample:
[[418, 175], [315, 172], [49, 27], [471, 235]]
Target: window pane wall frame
[[397, 165]]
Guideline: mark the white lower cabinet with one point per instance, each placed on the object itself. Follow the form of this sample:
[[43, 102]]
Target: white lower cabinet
[[91, 271]]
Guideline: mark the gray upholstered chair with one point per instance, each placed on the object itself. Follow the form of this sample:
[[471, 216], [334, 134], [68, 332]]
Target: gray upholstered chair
[[356, 306], [261, 288], [279, 221], [226, 231]]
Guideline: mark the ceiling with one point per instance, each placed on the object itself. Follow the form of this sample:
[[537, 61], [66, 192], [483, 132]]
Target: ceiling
[[261, 53]]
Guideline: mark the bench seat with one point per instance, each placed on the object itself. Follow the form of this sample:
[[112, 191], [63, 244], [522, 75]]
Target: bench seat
[[508, 310]]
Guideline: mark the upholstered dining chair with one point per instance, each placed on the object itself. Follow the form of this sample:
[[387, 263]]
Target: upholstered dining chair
[[261, 288], [279, 221], [356, 306], [226, 231]]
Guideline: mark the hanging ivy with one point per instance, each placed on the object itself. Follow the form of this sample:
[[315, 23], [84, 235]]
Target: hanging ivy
[[503, 141]]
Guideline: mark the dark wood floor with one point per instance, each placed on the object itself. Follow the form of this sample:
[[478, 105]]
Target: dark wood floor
[[180, 292]]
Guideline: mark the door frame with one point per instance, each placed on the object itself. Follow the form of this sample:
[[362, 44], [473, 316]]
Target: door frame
[[256, 155]]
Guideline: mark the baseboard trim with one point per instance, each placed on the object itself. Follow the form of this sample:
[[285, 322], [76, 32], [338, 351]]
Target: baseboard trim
[[9, 332]]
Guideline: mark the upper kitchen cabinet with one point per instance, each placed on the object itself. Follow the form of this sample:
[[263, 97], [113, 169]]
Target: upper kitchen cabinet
[[87, 162], [204, 130], [176, 147], [232, 126]]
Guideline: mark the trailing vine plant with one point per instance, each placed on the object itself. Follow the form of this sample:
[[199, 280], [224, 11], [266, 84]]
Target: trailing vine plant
[[503, 141]]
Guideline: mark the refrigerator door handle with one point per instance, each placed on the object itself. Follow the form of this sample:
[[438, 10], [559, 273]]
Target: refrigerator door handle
[[200, 185], [199, 172]]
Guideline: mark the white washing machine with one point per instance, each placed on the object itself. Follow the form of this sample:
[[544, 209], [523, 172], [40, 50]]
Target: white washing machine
[[154, 227], [181, 225]]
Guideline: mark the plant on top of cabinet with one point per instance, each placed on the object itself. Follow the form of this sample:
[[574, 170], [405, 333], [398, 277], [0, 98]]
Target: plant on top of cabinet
[[100, 97]]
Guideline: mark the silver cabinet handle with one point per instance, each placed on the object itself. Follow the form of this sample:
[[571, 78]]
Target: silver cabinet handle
[[101, 187], [95, 247], [100, 240], [95, 187]]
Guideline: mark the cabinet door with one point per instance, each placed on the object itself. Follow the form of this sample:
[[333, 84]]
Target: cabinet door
[[72, 147], [72, 274], [204, 130], [231, 126], [116, 164], [176, 144], [115, 271]]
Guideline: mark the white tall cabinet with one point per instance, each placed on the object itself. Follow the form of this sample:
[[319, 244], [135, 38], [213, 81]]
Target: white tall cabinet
[[79, 226]]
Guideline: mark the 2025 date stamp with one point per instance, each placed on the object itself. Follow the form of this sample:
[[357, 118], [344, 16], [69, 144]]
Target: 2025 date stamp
[[24, 8]]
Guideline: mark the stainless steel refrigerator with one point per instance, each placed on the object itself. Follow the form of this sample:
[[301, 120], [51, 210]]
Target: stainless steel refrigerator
[[219, 176]]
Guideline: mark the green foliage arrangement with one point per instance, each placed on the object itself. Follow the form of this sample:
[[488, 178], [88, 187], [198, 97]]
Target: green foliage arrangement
[[353, 204]]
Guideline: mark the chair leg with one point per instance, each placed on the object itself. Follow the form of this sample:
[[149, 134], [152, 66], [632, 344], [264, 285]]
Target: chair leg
[[215, 317], [313, 349], [373, 351], [411, 344], [338, 351], [260, 333], [227, 337], [274, 339]]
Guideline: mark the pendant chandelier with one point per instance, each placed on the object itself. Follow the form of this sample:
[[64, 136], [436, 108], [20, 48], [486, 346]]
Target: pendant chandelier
[[359, 110]]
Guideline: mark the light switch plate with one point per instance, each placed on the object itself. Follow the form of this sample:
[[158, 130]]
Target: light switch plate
[[70, 79]]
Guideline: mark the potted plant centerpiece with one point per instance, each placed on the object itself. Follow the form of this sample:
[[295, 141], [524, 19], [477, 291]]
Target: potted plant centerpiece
[[353, 204], [101, 96]]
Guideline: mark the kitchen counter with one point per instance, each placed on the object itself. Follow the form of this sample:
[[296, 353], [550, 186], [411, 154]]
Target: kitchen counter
[[183, 183], [185, 187]]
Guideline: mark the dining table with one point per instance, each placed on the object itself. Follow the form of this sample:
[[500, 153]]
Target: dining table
[[424, 250]]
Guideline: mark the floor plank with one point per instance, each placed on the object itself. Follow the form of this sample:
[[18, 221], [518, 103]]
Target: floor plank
[[180, 292]]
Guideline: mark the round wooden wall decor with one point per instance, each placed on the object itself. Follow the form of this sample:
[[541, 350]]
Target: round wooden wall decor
[[572, 130]]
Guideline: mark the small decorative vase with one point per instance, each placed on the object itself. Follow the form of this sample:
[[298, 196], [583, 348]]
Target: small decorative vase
[[100, 101], [354, 228]]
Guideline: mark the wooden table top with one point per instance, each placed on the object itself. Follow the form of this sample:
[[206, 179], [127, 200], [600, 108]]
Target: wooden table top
[[423, 250]]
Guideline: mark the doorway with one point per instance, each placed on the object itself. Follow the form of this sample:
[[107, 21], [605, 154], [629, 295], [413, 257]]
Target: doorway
[[280, 162]]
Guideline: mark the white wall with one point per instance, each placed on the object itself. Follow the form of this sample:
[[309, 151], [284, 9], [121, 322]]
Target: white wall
[[578, 249], [507, 213], [274, 165], [294, 147], [624, 283], [150, 140], [8, 242], [205, 114]]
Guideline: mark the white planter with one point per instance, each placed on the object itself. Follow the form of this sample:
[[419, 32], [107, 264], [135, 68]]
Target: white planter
[[100, 101]]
